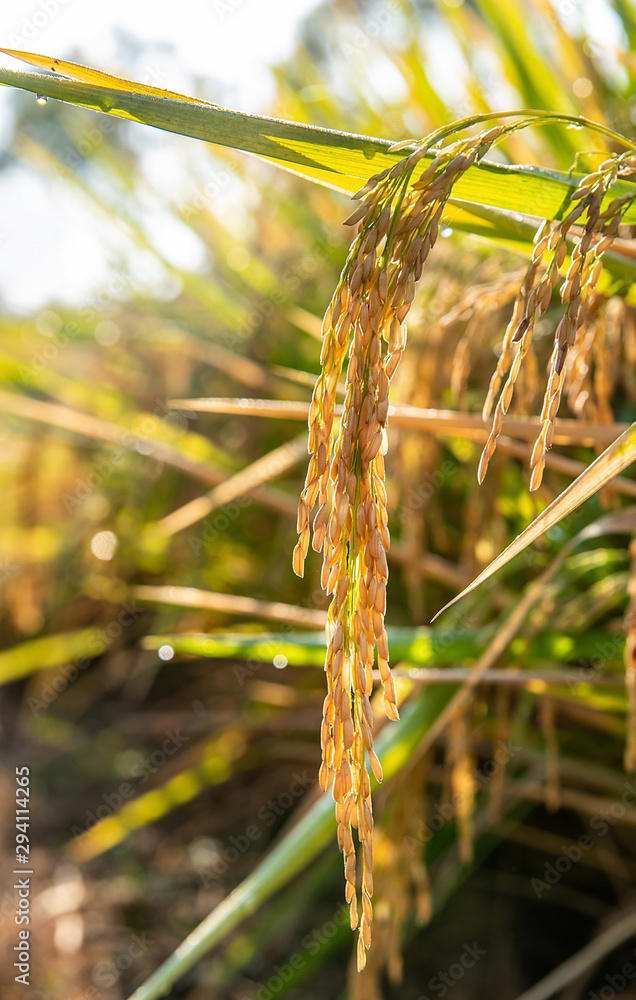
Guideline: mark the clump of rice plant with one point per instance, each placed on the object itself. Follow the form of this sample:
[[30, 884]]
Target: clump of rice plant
[[398, 224]]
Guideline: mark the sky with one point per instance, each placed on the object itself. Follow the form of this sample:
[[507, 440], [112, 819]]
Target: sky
[[232, 41], [217, 49], [220, 50]]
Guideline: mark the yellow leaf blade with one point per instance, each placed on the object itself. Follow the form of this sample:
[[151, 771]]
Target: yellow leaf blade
[[613, 460]]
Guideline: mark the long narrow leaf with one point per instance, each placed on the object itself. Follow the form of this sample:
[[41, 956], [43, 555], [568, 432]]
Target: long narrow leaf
[[339, 159], [51, 651], [422, 647], [612, 461]]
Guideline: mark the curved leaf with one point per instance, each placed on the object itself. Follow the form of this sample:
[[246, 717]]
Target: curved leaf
[[612, 461], [341, 160]]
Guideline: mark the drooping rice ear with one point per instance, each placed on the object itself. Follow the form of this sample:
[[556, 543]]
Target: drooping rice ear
[[346, 478]]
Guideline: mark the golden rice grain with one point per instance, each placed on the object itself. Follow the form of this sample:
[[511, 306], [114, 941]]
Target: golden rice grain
[[396, 226], [535, 295]]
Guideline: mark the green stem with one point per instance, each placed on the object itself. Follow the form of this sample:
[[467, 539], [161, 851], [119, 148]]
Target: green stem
[[532, 117]]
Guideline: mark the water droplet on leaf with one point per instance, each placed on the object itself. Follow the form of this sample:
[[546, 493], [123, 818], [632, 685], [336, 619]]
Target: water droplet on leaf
[[41, 98]]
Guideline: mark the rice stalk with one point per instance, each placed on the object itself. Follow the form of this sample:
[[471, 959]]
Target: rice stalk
[[595, 233], [398, 224], [230, 604], [243, 483], [462, 781], [425, 419]]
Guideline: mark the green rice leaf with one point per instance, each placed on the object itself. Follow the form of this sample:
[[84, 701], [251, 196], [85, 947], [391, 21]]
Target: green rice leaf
[[341, 160]]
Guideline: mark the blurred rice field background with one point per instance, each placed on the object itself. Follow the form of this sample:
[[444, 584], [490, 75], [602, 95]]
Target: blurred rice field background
[[161, 666]]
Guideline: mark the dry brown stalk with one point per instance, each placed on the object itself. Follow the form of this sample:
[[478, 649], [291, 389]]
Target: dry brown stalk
[[604, 860], [462, 781], [547, 723], [594, 234], [240, 484], [231, 604], [87, 425], [425, 419], [364, 326], [570, 798]]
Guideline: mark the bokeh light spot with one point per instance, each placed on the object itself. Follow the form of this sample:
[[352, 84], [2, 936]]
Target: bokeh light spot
[[104, 545]]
